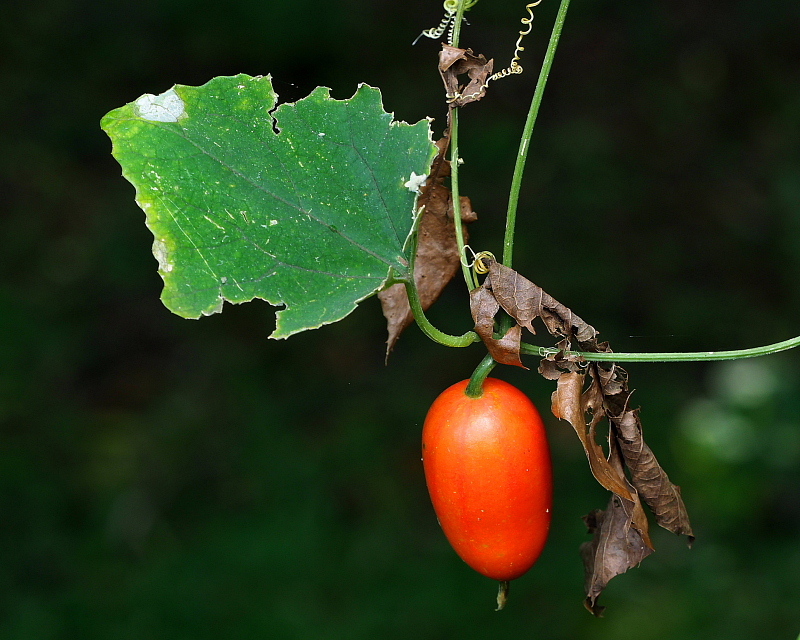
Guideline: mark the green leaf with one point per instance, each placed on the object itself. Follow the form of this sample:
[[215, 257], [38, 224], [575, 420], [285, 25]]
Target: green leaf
[[303, 206]]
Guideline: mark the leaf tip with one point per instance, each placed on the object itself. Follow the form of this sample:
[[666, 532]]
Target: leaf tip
[[592, 607]]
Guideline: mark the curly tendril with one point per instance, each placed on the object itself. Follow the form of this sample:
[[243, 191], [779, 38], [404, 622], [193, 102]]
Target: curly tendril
[[448, 22], [515, 67], [479, 265]]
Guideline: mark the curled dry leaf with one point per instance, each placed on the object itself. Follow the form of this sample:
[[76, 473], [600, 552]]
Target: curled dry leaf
[[524, 301], [649, 478], [437, 259], [571, 403], [484, 307], [621, 540], [647, 475], [615, 547], [454, 62], [618, 541]]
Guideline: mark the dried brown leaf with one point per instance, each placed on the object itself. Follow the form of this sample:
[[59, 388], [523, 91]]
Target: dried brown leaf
[[436, 263], [650, 480], [647, 475], [567, 399], [616, 546], [524, 301], [621, 533], [397, 311], [437, 259], [454, 62], [621, 539], [484, 307], [550, 369], [570, 403]]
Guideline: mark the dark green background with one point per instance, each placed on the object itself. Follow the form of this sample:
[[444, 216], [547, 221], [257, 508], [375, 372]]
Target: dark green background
[[166, 479]]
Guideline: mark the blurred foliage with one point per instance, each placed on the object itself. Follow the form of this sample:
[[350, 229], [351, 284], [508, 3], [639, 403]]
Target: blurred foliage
[[165, 478]]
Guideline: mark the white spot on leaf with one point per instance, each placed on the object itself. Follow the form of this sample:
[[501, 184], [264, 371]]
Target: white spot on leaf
[[161, 253], [415, 182], [166, 107]]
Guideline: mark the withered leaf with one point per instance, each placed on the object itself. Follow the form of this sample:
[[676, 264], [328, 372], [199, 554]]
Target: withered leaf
[[550, 369], [454, 62], [437, 259], [649, 479], [647, 475], [613, 380], [620, 539], [615, 547], [570, 403], [484, 307], [524, 301]]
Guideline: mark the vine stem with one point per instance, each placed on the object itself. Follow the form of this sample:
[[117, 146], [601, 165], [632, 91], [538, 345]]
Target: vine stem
[[691, 356], [419, 314], [452, 125], [457, 24], [428, 329], [522, 154]]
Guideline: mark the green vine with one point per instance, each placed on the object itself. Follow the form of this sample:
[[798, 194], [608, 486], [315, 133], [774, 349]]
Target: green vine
[[452, 120], [419, 314], [690, 356], [527, 131], [465, 269], [428, 329]]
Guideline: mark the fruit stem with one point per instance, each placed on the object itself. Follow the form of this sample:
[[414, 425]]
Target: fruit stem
[[502, 594], [475, 387]]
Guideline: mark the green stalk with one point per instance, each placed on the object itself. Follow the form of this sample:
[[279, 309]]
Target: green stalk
[[691, 356], [475, 387], [468, 277], [428, 329], [453, 126], [419, 314], [522, 154], [457, 27]]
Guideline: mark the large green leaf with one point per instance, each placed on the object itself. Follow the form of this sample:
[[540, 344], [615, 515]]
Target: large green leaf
[[304, 205]]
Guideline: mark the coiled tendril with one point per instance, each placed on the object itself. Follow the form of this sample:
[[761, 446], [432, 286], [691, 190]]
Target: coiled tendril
[[515, 67], [448, 22]]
